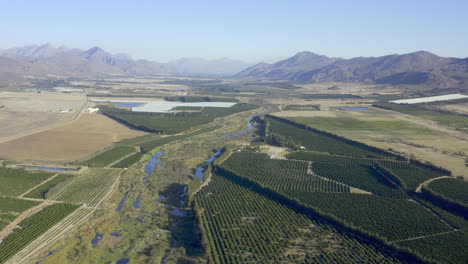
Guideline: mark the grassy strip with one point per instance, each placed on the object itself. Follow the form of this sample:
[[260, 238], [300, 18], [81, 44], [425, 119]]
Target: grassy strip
[[109, 156], [40, 191], [32, 228]]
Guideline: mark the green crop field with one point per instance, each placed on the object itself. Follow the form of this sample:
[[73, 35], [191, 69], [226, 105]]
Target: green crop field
[[453, 189], [109, 156], [282, 175], [11, 207], [358, 176], [459, 122], [40, 191], [14, 182], [128, 161], [87, 188], [172, 123], [32, 228], [242, 226], [368, 126], [392, 219], [447, 248], [15, 205], [411, 175], [326, 157], [293, 135]]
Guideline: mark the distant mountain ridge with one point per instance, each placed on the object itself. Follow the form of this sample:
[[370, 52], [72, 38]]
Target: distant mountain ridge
[[420, 67], [48, 60]]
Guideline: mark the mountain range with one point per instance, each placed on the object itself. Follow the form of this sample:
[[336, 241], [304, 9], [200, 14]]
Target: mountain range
[[417, 68], [40, 60]]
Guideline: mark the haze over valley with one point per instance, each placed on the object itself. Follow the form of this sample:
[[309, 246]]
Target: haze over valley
[[215, 132]]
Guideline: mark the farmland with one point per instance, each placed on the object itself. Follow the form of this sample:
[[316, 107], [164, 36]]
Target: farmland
[[331, 188], [454, 121], [451, 189], [129, 161], [16, 181], [285, 133], [279, 174], [172, 123], [32, 228], [393, 219], [263, 231], [415, 220], [406, 134], [87, 188], [22, 117], [9, 207], [358, 176], [41, 191], [73, 141], [446, 248], [108, 157]]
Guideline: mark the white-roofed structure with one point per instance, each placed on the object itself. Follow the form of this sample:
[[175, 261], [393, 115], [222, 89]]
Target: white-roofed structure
[[429, 99], [165, 106]]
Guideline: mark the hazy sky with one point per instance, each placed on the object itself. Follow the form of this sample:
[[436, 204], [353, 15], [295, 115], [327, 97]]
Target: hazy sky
[[249, 30]]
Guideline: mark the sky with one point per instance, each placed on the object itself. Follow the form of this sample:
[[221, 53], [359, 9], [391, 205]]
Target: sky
[[253, 30]]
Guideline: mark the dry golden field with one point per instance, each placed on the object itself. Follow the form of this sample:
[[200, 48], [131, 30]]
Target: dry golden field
[[30, 112], [73, 141]]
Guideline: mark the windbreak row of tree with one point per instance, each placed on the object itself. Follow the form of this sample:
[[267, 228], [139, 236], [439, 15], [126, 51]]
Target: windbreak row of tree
[[287, 133], [240, 225], [171, 123]]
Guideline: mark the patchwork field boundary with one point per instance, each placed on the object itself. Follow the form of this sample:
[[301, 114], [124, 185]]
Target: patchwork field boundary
[[74, 220], [40, 184]]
